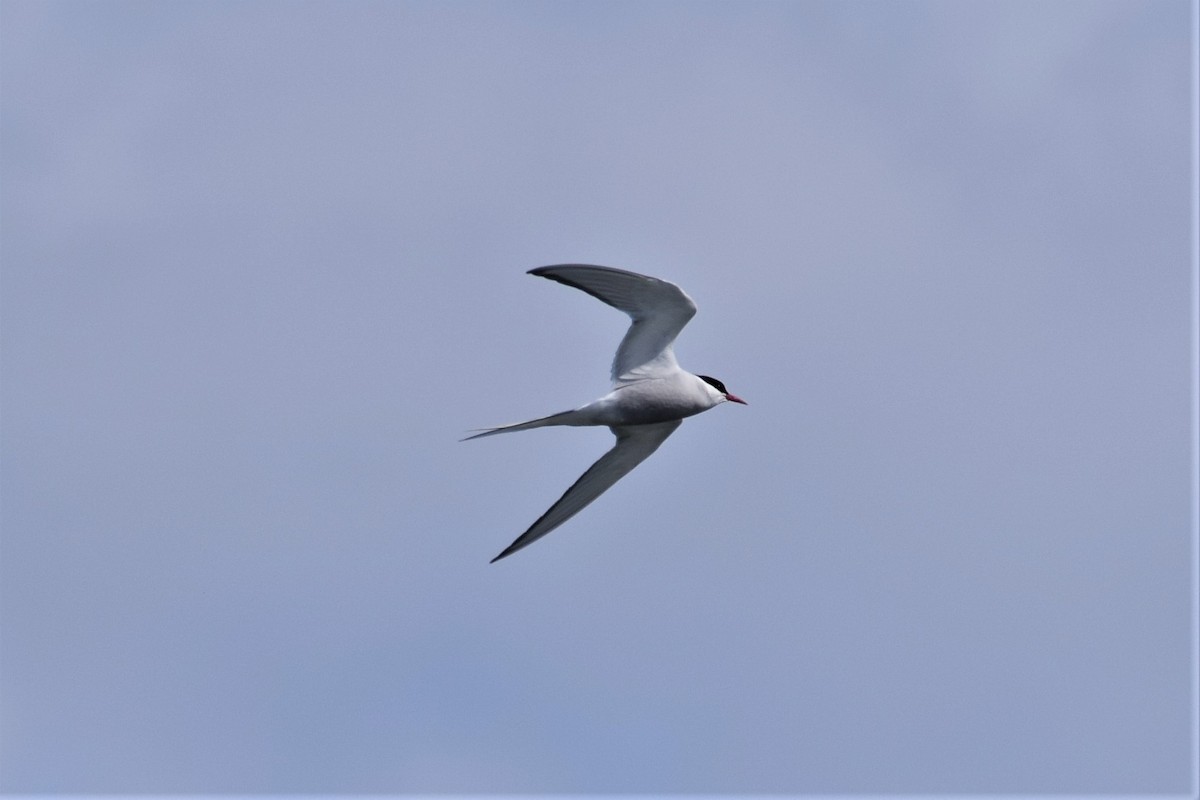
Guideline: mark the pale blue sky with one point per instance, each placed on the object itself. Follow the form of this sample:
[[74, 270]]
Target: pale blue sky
[[263, 266]]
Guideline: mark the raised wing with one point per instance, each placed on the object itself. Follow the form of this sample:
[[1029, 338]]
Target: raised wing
[[659, 311], [634, 445]]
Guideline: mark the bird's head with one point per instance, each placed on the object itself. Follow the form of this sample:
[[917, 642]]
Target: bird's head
[[720, 389]]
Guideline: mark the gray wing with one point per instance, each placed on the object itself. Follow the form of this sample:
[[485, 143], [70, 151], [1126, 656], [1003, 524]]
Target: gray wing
[[634, 445], [659, 311]]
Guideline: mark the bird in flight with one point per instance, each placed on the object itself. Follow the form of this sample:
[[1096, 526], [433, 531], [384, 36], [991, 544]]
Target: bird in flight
[[651, 394]]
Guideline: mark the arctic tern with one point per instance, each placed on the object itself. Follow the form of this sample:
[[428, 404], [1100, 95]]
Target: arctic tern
[[651, 394]]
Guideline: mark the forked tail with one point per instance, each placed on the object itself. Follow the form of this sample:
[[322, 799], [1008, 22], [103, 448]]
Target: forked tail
[[563, 418]]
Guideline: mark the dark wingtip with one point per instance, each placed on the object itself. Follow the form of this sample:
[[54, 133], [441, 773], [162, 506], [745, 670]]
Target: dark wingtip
[[512, 548], [541, 271]]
